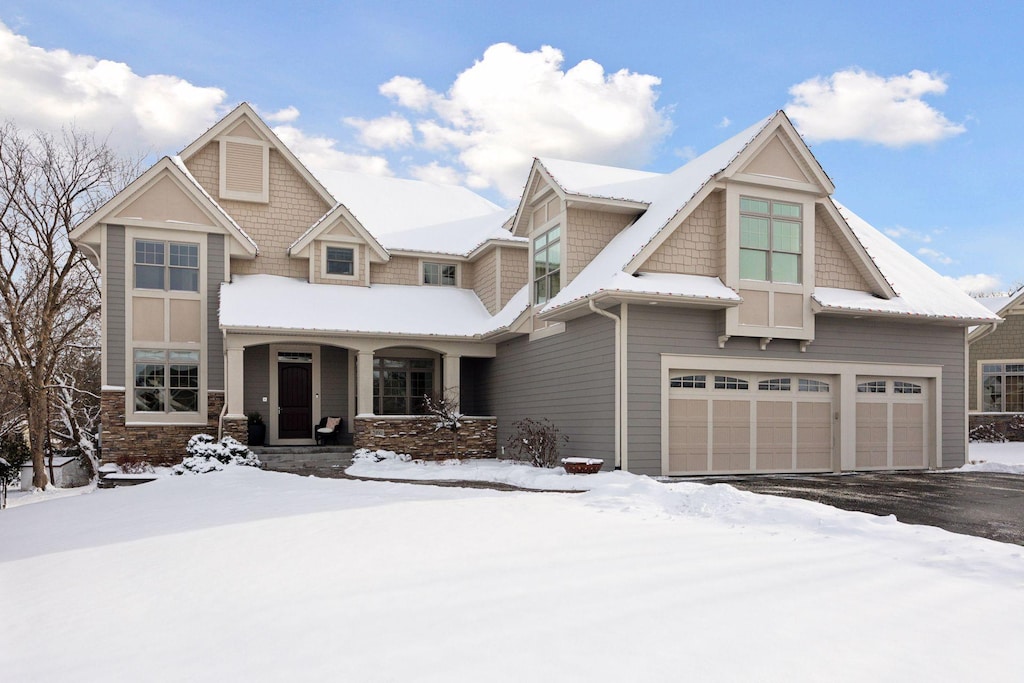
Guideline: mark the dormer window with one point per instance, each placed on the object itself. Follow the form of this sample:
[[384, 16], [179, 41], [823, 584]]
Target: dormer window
[[771, 234], [445, 274], [547, 265], [340, 261]]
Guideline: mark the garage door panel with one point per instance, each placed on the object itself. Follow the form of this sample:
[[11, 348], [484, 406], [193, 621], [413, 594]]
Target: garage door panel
[[730, 443], [908, 438], [774, 435], [872, 435], [813, 436], [688, 435]]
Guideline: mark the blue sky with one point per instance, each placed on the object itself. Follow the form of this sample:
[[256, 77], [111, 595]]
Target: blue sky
[[911, 108]]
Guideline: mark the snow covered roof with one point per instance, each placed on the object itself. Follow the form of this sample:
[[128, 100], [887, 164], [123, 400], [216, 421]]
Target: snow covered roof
[[594, 180], [457, 237], [270, 302], [667, 194], [920, 290], [385, 205]]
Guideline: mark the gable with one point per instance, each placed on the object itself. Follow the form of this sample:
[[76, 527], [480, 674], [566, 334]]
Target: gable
[[164, 201], [541, 203], [244, 129], [775, 160]]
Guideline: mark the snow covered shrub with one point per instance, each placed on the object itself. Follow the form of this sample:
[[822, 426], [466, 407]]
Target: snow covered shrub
[[207, 455], [367, 455], [536, 441], [986, 433]]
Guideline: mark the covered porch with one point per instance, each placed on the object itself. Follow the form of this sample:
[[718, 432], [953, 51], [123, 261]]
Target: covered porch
[[375, 385]]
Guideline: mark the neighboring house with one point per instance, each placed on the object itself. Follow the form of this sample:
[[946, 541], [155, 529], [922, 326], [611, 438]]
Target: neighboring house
[[726, 317], [996, 362]]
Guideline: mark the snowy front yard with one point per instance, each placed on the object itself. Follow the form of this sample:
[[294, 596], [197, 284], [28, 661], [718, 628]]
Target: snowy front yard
[[251, 575]]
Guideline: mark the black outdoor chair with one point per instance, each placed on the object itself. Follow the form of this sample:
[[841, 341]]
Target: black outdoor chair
[[329, 430]]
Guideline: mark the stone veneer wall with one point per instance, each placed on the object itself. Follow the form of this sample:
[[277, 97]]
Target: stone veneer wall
[[155, 444], [695, 248], [417, 436]]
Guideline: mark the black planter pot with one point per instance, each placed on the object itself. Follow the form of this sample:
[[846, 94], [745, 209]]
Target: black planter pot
[[257, 434]]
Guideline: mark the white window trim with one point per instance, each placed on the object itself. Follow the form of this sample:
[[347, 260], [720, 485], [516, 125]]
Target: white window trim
[[441, 262], [262, 197], [345, 243], [550, 225], [980, 382]]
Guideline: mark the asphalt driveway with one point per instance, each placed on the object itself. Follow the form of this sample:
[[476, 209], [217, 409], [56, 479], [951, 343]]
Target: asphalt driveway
[[982, 504]]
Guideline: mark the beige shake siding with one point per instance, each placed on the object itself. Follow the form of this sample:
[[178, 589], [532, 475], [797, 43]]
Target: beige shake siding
[[274, 226], [514, 269], [834, 266], [697, 246], [1005, 344], [400, 270], [484, 281], [587, 233]]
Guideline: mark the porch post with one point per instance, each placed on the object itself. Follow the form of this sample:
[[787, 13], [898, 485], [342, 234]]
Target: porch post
[[364, 378], [452, 366], [236, 386]]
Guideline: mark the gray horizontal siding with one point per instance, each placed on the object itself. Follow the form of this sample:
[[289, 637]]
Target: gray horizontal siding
[[114, 326], [214, 338], [568, 378], [653, 331], [256, 378], [334, 383]]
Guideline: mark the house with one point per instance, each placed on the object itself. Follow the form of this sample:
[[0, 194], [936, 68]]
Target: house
[[996, 363], [729, 316]]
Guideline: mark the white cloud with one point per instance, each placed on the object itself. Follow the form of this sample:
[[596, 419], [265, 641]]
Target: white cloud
[[935, 255], [899, 232], [979, 283], [387, 131], [318, 152], [436, 173], [857, 105], [48, 89], [286, 115], [511, 106], [724, 123]]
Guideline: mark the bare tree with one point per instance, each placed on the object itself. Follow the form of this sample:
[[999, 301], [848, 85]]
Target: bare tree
[[48, 292], [443, 407]]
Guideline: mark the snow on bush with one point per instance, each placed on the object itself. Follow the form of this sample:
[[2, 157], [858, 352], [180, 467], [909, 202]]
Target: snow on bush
[[207, 455], [366, 455]]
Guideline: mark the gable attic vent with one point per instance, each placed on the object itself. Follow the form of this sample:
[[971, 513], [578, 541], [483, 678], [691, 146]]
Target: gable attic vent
[[244, 170]]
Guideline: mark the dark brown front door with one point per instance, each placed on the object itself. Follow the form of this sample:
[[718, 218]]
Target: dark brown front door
[[295, 398]]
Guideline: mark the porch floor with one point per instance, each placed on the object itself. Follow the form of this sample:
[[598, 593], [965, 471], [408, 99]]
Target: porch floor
[[316, 460]]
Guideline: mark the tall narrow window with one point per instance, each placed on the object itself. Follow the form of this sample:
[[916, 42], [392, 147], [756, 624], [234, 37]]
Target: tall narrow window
[[439, 274], [547, 264], [340, 261], [771, 236]]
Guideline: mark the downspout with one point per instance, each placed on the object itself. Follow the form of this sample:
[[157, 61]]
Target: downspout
[[618, 380]]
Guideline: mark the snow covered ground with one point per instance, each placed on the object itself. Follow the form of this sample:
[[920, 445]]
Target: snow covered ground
[[996, 457], [252, 575]]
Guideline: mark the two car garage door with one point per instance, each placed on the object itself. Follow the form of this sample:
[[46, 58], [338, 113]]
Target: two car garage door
[[719, 422]]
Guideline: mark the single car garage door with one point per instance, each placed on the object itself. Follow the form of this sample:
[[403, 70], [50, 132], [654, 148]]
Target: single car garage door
[[750, 422], [892, 423]]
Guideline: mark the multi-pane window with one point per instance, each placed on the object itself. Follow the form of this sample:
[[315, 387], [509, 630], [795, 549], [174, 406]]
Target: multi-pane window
[[899, 387], [813, 385], [775, 384], [340, 261], [688, 382], [166, 381], [166, 265], [439, 274], [1002, 387], [400, 385], [726, 382], [875, 386], [771, 235], [547, 262]]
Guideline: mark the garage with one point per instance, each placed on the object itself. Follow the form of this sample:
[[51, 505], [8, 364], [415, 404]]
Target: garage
[[749, 422], [892, 423]]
